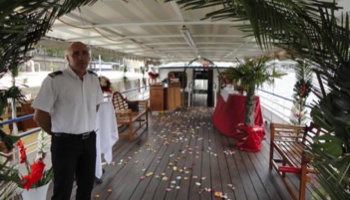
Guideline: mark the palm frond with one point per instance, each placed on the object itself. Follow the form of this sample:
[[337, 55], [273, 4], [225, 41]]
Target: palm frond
[[24, 23]]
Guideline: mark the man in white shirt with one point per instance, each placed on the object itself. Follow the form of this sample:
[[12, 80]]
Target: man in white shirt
[[66, 108]]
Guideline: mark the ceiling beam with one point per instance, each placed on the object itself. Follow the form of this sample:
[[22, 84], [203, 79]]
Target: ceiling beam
[[156, 36], [155, 23]]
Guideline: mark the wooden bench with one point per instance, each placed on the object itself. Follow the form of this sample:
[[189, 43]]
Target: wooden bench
[[290, 142], [126, 116]]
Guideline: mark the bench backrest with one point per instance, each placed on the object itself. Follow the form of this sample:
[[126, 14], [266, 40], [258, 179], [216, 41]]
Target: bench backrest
[[297, 133], [286, 132], [311, 131], [118, 101]]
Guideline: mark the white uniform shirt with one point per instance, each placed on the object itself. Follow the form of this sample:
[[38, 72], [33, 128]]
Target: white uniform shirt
[[70, 102]]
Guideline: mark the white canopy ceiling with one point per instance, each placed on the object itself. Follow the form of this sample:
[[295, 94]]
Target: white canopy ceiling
[[153, 29]]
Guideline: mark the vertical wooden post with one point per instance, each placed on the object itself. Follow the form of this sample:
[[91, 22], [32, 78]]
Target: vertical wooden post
[[139, 84]]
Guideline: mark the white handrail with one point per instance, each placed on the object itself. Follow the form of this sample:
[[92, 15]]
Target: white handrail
[[278, 108]]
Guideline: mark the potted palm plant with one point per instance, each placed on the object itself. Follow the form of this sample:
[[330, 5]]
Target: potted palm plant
[[251, 74]]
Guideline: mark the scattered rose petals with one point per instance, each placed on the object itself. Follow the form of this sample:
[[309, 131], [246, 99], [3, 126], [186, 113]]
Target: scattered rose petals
[[218, 194]]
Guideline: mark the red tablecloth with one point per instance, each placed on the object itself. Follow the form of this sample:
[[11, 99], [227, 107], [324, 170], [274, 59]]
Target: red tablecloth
[[228, 114]]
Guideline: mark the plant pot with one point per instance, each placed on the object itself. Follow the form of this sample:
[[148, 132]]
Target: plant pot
[[249, 137], [38, 193]]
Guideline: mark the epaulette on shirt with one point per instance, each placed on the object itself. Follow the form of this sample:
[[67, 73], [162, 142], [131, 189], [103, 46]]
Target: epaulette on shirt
[[53, 74], [91, 72]]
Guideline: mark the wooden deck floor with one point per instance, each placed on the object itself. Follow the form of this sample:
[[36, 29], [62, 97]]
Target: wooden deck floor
[[183, 156]]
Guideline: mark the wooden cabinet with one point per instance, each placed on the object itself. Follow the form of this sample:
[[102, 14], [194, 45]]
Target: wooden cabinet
[[173, 96], [156, 98], [165, 98]]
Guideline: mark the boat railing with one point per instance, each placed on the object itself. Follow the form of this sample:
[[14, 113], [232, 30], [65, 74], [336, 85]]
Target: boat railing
[[277, 108], [135, 93]]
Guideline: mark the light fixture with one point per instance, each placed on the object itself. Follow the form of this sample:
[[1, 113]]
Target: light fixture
[[188, 37]]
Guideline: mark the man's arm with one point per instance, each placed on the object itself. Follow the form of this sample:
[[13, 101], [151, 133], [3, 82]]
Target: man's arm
[[43, 119]]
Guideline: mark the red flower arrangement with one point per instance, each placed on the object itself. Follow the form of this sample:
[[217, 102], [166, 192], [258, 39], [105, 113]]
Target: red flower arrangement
[[37, 176], [153, 75], [105, 84]]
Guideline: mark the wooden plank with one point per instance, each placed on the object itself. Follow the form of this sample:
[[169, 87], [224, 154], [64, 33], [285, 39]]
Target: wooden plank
[[254, 177], [168, 191], [270, 178], [189, 163], [194, 189], [224, 159], [209, 162], [157, 186]]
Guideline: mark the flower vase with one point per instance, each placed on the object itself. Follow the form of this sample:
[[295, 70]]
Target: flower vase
[[38, 193]]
